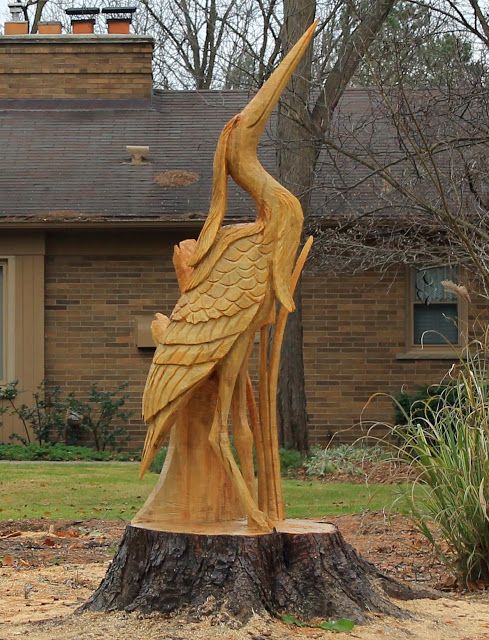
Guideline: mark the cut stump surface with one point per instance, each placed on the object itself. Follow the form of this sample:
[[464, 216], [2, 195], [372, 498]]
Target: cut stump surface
[[303, 568]]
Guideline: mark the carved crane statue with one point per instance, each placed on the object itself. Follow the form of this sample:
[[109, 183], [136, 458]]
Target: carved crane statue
[[230, 285], [189, 549]]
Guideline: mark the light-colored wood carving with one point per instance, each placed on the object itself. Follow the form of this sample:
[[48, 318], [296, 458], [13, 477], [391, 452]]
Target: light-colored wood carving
[[193, 486], [231, 279]]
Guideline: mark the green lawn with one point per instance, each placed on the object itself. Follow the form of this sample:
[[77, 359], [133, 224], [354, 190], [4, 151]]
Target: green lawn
[[315, 499], [112, 491]]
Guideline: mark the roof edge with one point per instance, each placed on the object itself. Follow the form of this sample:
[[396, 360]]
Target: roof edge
[[74, 104], [131, 224]]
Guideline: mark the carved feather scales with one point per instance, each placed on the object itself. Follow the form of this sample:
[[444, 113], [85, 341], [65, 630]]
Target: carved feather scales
[[209, 317]]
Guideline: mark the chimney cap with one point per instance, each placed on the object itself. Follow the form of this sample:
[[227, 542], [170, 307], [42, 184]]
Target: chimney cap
[[16, 10], [117, 10], [83, 11]]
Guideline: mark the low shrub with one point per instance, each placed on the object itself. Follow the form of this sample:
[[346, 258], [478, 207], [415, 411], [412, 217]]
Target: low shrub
[[421, 407], [59, 452], [158, 461], [54, 418], [45, 417], [409, 406], [102, 416], [343, 458], [290, 460]]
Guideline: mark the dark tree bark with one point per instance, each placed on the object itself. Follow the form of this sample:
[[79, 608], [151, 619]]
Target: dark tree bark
[[38, 15], [296, 173], [309, 575], [301, 134], [291, 396]]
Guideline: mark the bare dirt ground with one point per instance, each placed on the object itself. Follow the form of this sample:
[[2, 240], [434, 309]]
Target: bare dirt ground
[[49, 568]]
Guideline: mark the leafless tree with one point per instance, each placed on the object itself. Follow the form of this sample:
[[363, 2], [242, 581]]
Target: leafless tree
[[347, 31], [191, 39], [212, 44], [408, 181]]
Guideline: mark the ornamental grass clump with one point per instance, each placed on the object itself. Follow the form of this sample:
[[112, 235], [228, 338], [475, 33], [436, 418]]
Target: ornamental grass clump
[[445, 438]]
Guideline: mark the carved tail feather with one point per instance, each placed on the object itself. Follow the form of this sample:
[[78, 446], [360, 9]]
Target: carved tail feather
[[289, 229], [158, 428]]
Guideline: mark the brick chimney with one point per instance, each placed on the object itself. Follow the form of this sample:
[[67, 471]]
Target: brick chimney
[[75, 66], [51, 28], [118, 19], [17, 25], [83, 19]]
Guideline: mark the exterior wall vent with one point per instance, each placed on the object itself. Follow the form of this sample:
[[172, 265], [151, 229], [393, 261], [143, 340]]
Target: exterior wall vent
[[139, 155]]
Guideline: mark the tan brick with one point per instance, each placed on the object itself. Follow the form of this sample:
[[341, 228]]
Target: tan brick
[[75, 67], [350, 346]]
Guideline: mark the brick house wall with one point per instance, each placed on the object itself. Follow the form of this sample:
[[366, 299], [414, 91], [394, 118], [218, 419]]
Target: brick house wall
[[97, 283], [354, 339]]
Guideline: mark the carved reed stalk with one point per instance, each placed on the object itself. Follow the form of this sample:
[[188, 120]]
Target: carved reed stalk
[[269, 481]]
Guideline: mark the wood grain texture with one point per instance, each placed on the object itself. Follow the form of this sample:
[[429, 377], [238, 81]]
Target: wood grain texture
[[231, 279], [193, 488]]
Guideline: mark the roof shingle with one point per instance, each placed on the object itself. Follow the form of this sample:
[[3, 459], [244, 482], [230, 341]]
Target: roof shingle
[[65, 160]]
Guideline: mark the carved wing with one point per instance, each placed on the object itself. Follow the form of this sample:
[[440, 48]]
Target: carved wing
[[220, 303]]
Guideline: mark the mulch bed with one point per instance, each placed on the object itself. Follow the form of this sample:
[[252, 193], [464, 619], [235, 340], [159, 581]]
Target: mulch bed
[[383, 472]]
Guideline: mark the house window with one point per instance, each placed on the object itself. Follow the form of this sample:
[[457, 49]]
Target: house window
[[436, 313]]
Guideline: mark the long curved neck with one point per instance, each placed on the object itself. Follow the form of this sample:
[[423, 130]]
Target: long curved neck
[[280, 210], [251, 176]]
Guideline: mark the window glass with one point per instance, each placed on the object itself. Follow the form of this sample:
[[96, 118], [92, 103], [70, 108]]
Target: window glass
[[435, 313]]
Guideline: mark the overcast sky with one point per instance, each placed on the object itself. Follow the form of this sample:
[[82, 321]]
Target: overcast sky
[[3, 9]]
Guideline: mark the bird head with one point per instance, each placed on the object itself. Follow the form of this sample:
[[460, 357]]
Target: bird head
[[253, 118], [239, 139]]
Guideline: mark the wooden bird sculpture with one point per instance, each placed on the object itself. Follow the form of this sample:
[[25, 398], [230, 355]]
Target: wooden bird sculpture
[[231, 279]]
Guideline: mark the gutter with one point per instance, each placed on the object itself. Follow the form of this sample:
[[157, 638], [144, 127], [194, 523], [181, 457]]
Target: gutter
[[132, 224]]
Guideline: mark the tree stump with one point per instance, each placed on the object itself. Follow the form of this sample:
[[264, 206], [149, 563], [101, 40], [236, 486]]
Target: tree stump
[[303, 568]]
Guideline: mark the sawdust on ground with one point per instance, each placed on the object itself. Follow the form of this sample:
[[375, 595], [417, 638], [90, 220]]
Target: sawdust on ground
[[49, 569]]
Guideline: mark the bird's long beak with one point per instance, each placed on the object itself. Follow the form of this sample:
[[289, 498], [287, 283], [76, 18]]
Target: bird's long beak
[[256, 113]]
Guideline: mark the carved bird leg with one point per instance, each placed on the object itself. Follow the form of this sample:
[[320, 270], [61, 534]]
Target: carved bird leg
[[272, 501], [272, 456], [219, 434], [265, 490], [243, 436], [258, 437]]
